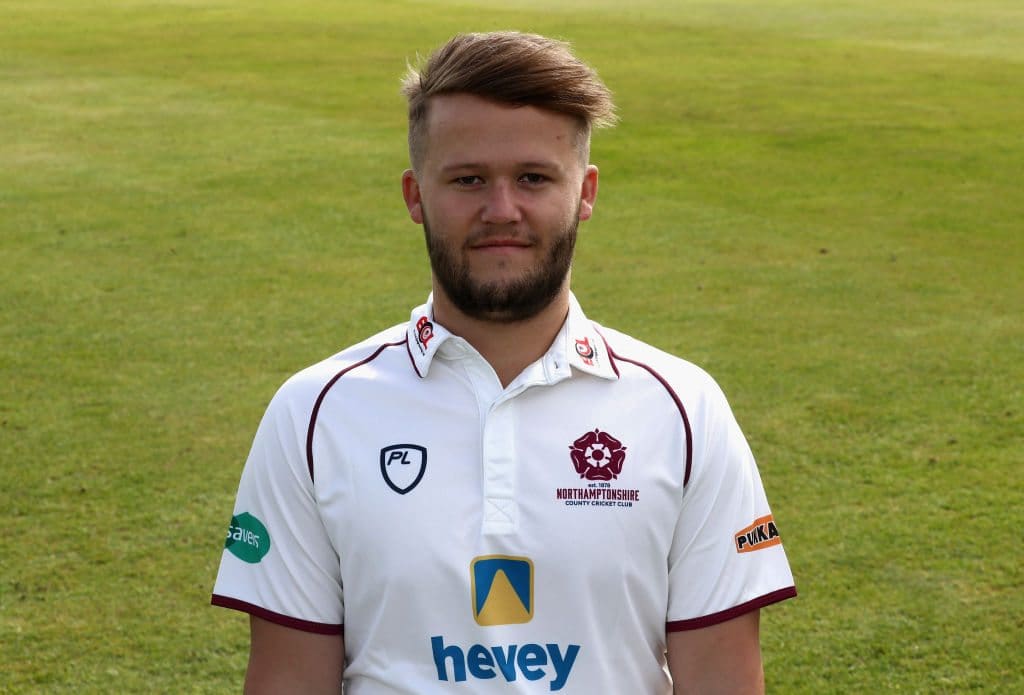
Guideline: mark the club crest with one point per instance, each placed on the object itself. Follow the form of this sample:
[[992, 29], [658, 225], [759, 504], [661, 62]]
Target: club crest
[[597, 456], [403, 466]]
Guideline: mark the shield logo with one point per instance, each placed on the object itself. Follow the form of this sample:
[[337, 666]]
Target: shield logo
[[403, 466]]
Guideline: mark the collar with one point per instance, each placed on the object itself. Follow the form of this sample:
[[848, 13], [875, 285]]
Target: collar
[[577, 345]]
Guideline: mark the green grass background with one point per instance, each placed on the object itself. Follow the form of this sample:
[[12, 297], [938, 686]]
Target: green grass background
[[820, 202]]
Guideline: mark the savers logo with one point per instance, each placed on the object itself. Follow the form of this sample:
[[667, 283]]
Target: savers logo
[[248, 539], [503, 595]]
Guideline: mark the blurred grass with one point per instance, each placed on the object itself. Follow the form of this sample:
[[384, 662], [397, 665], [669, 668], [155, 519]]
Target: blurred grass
[[821, 204]]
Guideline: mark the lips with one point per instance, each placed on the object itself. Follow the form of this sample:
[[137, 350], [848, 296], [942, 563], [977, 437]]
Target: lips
[[501, 243]]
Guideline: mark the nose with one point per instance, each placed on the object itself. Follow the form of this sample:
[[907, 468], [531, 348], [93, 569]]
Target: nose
[[501, 205]]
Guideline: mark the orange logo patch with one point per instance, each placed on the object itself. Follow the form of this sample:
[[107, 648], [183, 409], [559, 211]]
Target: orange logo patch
[[761, 534]]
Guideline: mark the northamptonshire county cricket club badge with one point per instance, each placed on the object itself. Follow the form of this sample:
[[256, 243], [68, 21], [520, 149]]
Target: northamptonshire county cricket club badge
[[598, 458]]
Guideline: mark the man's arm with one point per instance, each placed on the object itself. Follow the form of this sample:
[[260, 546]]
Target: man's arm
[[723, 658], [284, 660]]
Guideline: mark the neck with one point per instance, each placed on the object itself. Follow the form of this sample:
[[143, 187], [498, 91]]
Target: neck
[[508, 346]]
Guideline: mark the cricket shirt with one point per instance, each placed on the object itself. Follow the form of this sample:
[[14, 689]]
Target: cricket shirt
[[472, 538]]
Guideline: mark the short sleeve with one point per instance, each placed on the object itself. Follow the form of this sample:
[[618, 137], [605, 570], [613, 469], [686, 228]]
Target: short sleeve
[[727, 556], [278, 561]]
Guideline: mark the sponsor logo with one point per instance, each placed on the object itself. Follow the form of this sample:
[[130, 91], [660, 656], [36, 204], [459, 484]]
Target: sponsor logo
[[586, 351], [403, 466], [502, 589], [503, 595], [248, 539], [597, 457], [761, 534], [531, 661], [424, 332]]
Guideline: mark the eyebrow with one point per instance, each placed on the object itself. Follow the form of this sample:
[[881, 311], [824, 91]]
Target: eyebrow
[[551, 165]]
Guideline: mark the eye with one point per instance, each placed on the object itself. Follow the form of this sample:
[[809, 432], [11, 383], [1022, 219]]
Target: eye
[[533, 179], [470, 180]]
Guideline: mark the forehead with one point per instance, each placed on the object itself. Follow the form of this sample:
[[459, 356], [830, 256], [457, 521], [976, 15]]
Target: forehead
[[463, 127]]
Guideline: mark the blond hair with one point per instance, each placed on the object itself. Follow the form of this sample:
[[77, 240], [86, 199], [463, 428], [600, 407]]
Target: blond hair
[[512, 68]]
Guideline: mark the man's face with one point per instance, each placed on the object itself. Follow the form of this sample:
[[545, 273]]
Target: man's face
[[500, 192]]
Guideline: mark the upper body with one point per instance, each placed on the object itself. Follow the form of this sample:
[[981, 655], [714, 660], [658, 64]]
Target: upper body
[[502, 496]]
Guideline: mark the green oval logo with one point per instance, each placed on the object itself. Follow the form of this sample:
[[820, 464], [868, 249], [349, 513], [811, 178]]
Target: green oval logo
[[247, 539]]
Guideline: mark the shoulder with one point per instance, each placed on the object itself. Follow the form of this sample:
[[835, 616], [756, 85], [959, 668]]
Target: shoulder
[[631, 355], [307, 385], [698, 396]]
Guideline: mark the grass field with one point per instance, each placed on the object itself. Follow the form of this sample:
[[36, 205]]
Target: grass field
[[820, 202]]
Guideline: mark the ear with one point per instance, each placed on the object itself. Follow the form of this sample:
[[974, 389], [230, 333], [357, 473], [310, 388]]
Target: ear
[[411, 193], [588, 192]]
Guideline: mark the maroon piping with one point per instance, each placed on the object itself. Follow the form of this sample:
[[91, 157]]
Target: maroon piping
[[327, 387], [287, 621], [671, 392], [730, 613]]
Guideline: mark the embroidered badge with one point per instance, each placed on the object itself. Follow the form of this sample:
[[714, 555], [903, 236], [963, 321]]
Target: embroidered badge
[[597, 456]]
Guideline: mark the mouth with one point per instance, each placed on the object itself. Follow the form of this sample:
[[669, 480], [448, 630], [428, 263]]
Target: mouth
[[501, 244]]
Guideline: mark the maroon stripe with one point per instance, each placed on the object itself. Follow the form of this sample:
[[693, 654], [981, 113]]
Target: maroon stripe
[[730, 613], [671, 392], [287, 621], [408, 351], [323, 393]]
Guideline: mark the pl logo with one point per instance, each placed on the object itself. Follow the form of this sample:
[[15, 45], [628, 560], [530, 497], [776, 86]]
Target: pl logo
[[403, 466]]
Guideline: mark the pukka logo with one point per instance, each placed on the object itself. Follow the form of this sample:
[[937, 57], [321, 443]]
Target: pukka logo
[[424, 332], [403, 466], [586, 351], [763, 533], [597, 456]]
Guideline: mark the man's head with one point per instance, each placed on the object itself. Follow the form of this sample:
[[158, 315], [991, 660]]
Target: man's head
[[509, 68], [499, 132]]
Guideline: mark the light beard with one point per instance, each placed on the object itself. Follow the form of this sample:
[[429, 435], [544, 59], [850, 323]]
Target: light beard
[[509, 301]]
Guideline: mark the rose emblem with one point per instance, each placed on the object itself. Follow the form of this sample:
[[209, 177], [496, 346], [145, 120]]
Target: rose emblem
[[597, 456]]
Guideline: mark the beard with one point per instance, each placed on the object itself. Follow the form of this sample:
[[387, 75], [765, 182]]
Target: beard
[[503, 301]]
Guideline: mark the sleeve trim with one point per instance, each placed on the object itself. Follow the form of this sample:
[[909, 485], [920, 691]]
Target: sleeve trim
[[287, 621], [730, 613]]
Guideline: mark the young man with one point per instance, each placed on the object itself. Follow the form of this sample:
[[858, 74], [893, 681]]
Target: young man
[[501, 496]]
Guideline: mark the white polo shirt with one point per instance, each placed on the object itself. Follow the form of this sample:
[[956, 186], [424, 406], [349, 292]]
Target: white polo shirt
[[469, 538]]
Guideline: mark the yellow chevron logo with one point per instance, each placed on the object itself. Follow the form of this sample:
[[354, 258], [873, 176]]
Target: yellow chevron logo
[[502, 589]]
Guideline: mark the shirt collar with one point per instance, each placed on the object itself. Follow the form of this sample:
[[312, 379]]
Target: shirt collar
[[577, 344]]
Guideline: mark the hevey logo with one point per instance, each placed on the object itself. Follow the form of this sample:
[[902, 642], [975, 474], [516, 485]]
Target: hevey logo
[[248, 539], [598, 457], [761, 534], [403, 466], [424, 332], [503, 595]]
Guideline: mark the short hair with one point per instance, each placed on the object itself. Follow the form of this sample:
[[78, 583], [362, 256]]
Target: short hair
[[512, 68]]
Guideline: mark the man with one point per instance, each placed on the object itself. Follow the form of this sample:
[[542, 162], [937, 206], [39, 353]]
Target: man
[[501, 496]]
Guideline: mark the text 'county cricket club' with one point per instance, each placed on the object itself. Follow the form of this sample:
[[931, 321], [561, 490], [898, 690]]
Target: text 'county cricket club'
[[598, 458]]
